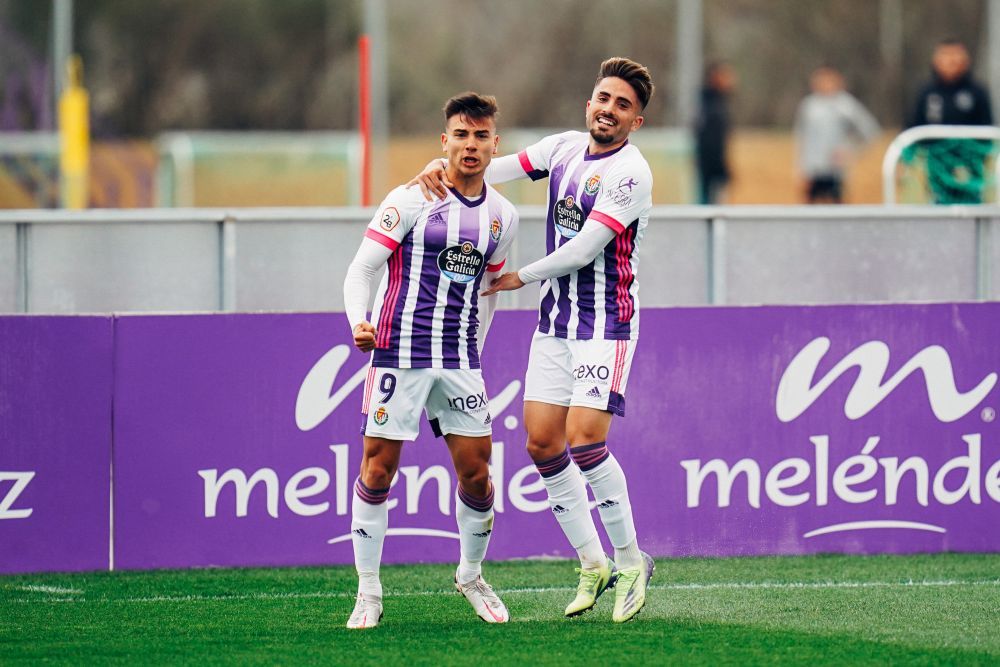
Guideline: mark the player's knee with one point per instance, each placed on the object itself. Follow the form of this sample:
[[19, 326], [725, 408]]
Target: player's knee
[[585, 436], [586, 432], [376, 474], [475, 480], [543, 449]]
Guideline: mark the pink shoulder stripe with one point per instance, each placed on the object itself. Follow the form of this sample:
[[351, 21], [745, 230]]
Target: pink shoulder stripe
[[607, 220], [525, 162], [379, 237], [496, 267]]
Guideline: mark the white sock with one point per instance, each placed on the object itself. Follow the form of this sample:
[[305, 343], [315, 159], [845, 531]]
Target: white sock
[[592, 554], [607, 480], [630, 556], [475, 525], [568, 500], [368, 525]]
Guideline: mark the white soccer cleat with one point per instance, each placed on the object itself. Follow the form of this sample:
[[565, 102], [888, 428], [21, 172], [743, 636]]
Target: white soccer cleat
[[367, 612], [484, 600]]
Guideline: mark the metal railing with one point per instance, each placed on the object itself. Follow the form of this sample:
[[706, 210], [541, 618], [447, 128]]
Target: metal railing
[[295, 258], [913, 135]]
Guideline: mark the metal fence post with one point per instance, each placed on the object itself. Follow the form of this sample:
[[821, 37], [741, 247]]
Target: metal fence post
[[227, 263], [716, 261], [983, 259], [21, 257]]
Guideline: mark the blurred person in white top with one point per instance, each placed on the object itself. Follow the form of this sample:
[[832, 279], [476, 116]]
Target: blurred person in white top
[[831, 125]]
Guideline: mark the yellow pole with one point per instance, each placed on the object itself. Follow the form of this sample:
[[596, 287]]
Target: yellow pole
[[74, 138]]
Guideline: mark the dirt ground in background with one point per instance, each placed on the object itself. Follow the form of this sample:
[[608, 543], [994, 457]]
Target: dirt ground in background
[[124, 174], [764, 169], [763, 165]]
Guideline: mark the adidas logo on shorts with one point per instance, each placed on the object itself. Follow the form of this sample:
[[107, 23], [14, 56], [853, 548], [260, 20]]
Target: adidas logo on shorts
[[559, 509], [594, 393], [486, 534], [489, 419], [360, 532], [608, 504]]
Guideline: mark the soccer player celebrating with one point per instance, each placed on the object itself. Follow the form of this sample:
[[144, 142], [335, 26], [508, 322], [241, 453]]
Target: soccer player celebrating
[[600, 195], [430, 323]]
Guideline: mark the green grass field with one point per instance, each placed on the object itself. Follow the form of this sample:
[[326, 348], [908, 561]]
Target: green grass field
[[928, 609]]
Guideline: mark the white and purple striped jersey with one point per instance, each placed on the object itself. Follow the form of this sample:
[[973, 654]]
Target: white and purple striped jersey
[[600, 300], [427, 307]]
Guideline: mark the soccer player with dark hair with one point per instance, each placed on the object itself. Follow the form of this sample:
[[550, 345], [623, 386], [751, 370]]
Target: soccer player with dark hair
[[600, 196], [429, 326]]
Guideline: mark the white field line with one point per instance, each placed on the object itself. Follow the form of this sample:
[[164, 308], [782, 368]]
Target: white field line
[[56, 590], [763, 585]]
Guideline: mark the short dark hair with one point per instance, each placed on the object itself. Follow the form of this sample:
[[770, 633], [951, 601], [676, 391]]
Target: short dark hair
[[951, 41], [632, 73], [471, 105]]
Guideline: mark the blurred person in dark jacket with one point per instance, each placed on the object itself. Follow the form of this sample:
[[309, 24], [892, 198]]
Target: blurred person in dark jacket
[[952, 97], [712, 132]]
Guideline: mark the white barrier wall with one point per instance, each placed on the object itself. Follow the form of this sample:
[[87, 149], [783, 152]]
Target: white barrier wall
[[294, 259]]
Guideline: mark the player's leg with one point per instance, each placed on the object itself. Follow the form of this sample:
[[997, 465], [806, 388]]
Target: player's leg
[[459, 411], [392, 406], [547, 394], [473, 501], [598, 393], [474, 515], [369, 522]]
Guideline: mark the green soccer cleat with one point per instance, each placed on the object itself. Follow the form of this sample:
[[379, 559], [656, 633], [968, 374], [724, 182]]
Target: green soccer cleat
[[593, 582], [631, 594]]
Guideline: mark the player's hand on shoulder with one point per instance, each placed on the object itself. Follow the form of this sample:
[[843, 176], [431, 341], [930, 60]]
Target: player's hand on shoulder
[[433, 180], [364, 337], [506, 282]]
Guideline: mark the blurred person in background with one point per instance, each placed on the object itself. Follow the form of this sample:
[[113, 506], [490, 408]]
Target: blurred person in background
[[830, 125], [712, 133], [952, 97]]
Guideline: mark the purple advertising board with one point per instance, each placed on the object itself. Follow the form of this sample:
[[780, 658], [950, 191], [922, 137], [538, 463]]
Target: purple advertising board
[[765, 430], [55, 443]]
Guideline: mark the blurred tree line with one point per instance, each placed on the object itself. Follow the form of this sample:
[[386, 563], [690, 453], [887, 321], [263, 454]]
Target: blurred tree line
[[155, 65]]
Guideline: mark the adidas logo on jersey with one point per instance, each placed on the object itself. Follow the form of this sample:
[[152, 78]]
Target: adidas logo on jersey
[[608, 504], [559, 509], [594, 393], [489, 419], [360, 532], [436, 219]]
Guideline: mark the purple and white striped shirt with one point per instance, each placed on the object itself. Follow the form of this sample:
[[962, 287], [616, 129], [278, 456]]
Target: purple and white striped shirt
[[426, 310], [600, 300]]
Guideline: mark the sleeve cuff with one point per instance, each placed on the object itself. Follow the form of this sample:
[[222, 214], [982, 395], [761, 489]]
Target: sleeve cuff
[[608, 221], [533, 174], [378, 237], [496, 267]]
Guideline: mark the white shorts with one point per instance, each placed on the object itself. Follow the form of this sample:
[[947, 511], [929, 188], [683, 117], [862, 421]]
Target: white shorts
[[454, 399], [588, 373]]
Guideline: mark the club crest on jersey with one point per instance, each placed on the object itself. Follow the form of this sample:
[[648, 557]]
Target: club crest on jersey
[[461, 263], [592, 185], [390, 218], [381, 416], [568, 217], [496, 229]]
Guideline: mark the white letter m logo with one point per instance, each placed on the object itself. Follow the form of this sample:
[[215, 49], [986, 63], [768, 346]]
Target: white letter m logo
[[796, 391]]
